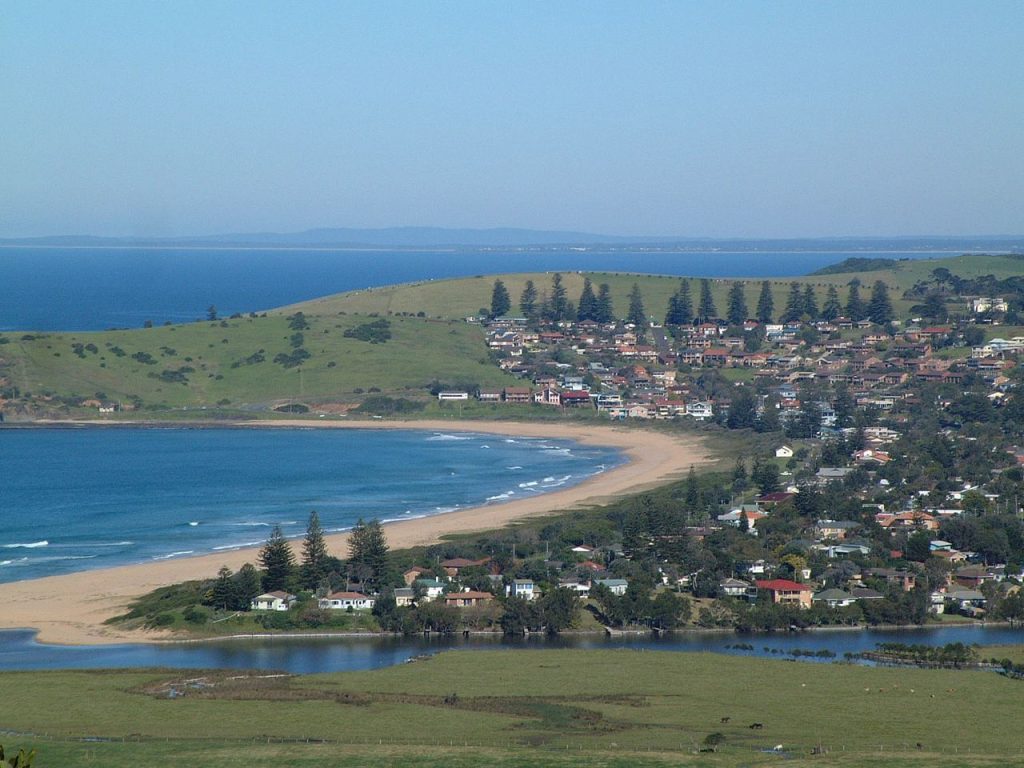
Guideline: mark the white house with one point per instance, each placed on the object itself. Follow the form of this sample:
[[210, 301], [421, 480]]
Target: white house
[[523, 588], [617, 586], [783, 452], [272, 601], [342, 601], [432, 588], [701, 411]]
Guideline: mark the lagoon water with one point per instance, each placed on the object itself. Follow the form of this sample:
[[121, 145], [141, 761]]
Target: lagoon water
[[73, 499], [18, 649], [81, 289]]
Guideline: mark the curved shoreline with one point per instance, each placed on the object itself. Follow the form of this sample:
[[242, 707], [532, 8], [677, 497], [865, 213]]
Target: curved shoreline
[[70, 609]]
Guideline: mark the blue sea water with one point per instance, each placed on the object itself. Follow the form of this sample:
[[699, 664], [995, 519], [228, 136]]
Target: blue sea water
[[75, 499], [49, 289]]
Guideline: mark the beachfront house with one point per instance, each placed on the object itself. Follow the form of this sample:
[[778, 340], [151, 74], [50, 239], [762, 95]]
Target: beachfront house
[[273, 601], [344, 601]]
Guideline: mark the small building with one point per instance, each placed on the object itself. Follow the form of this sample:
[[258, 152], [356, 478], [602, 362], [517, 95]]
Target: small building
[[416, 572], [615, 586], [445, 397], [432, 588], [834, 598], [737, 588], [783, 452], [343, 601], [273, 601], [467, 599]]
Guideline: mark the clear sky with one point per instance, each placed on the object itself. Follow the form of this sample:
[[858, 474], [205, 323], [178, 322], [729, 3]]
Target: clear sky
[[718, 118]]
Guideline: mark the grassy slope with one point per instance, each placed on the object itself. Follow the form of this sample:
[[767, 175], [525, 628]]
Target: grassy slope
[[466, 296], [419, 351], [535, 706]]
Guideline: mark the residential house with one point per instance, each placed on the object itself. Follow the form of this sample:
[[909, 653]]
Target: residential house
[[273, 601], [468, 599], [785, 592], [737, 588], [834, 598], [343, 601], [616, 586], [523, 588]]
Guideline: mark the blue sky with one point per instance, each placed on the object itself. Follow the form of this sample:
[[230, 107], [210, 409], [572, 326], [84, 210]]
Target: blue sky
[[717, 119]]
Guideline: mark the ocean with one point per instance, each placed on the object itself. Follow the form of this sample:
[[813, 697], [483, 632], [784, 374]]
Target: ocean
[[76, 499], [83, 289]]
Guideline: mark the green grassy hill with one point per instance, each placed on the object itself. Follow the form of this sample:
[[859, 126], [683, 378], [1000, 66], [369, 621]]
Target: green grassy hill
[[232, 362], [522, 708], [458, 298]]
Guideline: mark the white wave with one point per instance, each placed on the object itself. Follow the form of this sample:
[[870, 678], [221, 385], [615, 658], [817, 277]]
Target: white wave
[[251, 524], [485, 446], [193, 523], [530, 484], [510, 440], [548, 480], [397, 519], [513, 468], [58, 558], [443, 436], [502, 496], [19, 561], [32, 545], [558, 451], [237, 546], [174, 554]]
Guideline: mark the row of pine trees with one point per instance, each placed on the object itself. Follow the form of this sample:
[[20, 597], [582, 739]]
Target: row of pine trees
[[801, 304]]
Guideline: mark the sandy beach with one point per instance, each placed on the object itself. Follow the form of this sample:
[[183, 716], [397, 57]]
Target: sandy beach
[[71, 609]]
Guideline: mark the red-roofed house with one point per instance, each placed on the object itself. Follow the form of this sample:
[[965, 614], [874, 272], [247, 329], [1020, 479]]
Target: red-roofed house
[[785, 592], [456, 564]]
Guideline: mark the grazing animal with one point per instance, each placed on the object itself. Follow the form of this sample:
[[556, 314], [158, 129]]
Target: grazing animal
[[777, 748], [756, 726], [920, 745], [724, 720]]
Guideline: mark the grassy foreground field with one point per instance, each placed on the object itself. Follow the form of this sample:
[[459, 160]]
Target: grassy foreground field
[[523, 708]]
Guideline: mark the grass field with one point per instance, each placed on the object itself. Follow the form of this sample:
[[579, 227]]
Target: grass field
[[524, 708]]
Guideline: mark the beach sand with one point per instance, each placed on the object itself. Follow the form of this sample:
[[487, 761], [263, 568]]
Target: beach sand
[[71, 609]]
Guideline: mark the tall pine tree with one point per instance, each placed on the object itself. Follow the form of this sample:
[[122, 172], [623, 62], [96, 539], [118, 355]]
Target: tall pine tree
[[737, 309], [855, 309], [636, 315], [368, 554], [277, 561], [314, 567], [810, 302], [765, 303], [706, 310], [528, 301], [831, 309], [880, 307], [500, 301], [587, 307], [558, 302], [604, 311], [794, 304], [680, 305]]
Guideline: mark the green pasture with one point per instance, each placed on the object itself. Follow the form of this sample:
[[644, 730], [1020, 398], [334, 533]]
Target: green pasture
[[537, 707], [232, 361]]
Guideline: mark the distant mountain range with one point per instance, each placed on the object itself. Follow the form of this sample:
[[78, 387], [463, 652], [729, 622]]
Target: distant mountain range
[[438, 237]]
